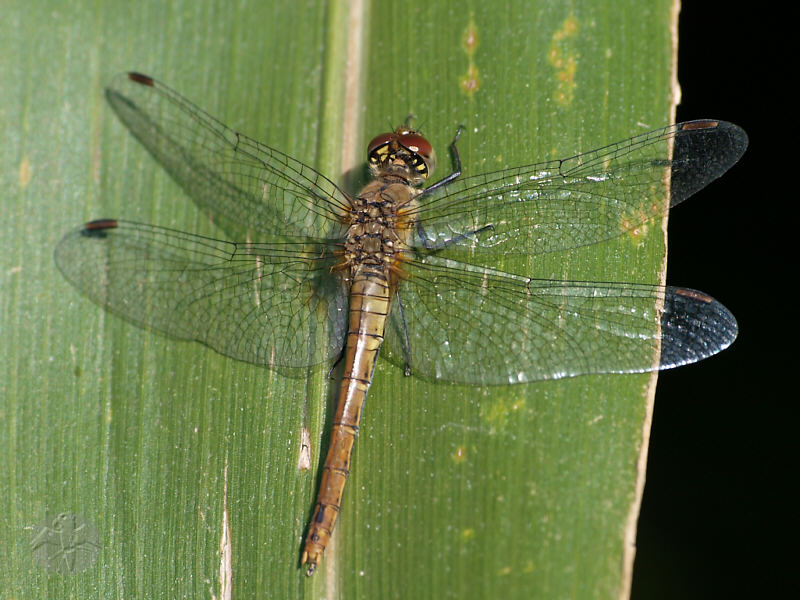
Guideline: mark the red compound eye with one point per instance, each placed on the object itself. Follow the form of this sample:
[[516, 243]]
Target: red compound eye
[[417, 144], [380, 140]]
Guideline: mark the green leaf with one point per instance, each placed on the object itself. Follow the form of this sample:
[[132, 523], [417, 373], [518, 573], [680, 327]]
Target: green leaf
[[456, 492]]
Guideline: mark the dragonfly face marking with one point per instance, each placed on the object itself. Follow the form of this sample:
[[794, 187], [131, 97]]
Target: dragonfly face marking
[[403, 152], [324, 270]]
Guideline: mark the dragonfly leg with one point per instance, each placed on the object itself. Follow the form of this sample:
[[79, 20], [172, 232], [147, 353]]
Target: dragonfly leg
[[456, 166], [431, 245], [337, 361]]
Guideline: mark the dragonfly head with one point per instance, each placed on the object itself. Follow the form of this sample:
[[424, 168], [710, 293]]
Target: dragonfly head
[[402, 152]]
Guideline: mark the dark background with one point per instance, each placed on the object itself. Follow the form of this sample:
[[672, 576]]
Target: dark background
[[717, 511]]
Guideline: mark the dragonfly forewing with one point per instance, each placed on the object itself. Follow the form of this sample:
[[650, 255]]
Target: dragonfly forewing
[[246, 185], [588, 198]]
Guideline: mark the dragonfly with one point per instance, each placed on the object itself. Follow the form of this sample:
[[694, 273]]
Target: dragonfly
[[323, 276]]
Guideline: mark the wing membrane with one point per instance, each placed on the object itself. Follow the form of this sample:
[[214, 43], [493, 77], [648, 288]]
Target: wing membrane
[[467, 324], [246, 184], [281, 304], [582, 200], [267, 304]]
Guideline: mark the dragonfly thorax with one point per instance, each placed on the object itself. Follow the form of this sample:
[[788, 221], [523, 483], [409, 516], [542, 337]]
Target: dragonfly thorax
[[379, 231]]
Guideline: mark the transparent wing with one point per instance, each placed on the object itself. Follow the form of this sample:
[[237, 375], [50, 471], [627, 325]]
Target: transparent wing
[[269, 304], [240, 180], [581, 200], [467, 324]]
